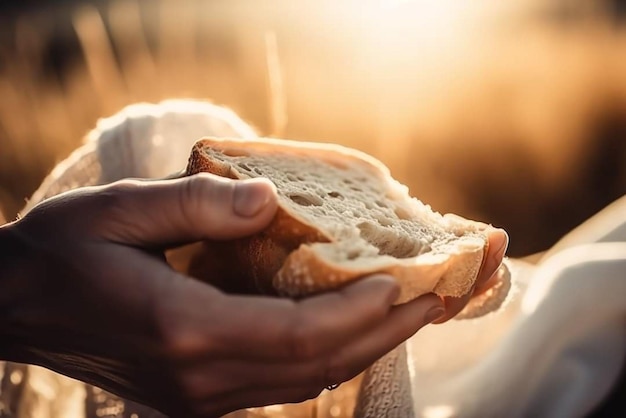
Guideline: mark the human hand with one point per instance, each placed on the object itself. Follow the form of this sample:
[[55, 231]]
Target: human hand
[[85, 291]]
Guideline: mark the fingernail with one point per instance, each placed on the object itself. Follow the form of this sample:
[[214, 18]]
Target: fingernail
[[434, 313], [504, 246], [251, 197]]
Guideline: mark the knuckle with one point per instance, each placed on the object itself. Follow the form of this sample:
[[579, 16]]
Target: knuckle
[[120, 189], [191, 191], [175, 340], [194, 187], [182, 344], [176, 333], [115, 197], [207, 187], [110, 205], [205, 194]]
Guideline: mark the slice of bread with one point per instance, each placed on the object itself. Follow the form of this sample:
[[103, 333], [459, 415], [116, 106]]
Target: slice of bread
[[341, 216]]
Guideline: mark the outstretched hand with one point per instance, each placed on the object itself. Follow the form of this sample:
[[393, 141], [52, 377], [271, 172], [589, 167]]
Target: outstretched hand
[[86, 291]]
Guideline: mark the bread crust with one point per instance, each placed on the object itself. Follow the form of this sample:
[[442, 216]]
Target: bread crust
[[281, 259]]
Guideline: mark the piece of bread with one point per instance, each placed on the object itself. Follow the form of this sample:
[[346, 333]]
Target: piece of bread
[[341, 216]]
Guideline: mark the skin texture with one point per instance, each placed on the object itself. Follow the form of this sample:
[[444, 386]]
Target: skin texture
[[85, 290]]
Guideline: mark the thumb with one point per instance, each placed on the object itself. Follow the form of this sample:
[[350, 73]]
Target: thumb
[[199, 207]]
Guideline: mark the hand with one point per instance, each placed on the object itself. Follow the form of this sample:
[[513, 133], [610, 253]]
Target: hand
[[85, 291]]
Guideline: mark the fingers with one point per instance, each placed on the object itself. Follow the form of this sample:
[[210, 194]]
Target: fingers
[[278, 329], [346, 360], [187, 209], [327, 321], [453, 306], [240, 373], [491, 282], [403, 322], [210, 335], [498, 243]]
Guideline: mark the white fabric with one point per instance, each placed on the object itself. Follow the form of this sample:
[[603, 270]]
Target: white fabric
[[553, 350], [144, 141]]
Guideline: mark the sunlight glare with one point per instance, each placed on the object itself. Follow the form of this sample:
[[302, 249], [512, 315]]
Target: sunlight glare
[[438, 411]]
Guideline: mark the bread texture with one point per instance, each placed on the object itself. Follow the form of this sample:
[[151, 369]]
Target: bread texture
[[341, 216]]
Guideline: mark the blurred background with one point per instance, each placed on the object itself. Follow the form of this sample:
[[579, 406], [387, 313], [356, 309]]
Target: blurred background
[[509, 112]]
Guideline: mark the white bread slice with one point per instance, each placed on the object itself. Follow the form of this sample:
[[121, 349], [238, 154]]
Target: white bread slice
[[341, 216]]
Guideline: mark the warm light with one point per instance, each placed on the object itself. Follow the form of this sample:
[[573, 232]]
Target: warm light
[[16, 377], [422, 43], [426, 14], [424, 19], [438, 411]]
